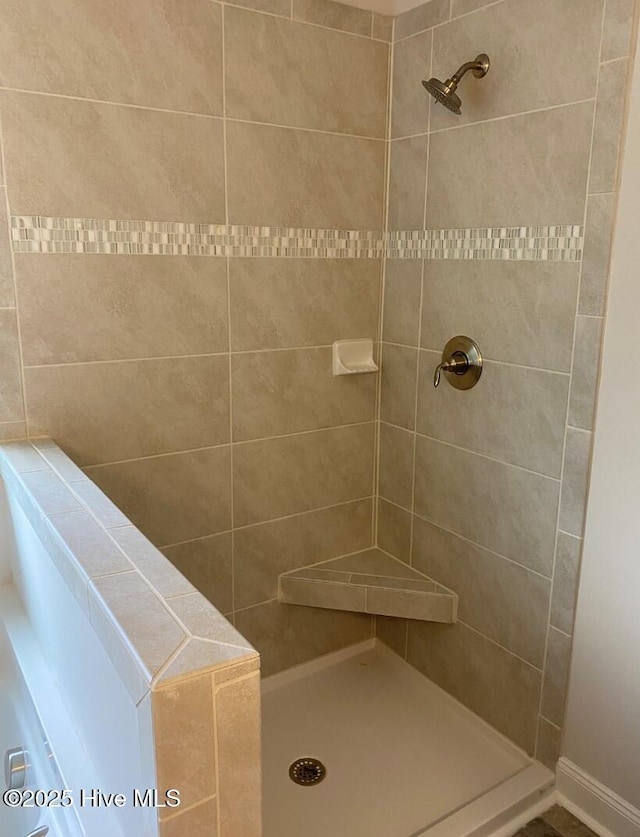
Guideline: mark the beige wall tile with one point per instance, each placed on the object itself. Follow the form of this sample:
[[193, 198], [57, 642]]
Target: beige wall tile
[[327, 594], [7, 297], [264, 551], [565, 582], [272, 171], [518, 312], [159, 572], [131, 163], [132, 672], [80, 307], [597, 251], [521, 525], [382, 27], [556, 676], [237, 707], [92, 548], [205, 654], [422, 17], [11, 405], [146, 623], [100, 506], [104, 412], [618, 26], [410, 102], [172, 498], [164, 55], [407, 181], [288, 73], [203, 620], [39, 489], [239, 669], [398, 385], [49, 492], [374, 561], [577, 458], [502, 600], [183, 724], [607, 131], [498, 173], [394, 530], [273, 7], [502, 689], [289, 391], [393, 632], [515, 414], [395, 479], [463, 7], [334, 15], [548, 744], [286, 635], [402, 288], [12, 430], [207, 563], [59, 461], [412, 604], [283, 303], [584, 376], [519, 38], [200, 821], [22, 457], [316, 469]]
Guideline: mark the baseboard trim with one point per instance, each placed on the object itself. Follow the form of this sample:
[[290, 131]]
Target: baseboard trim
[[595, 804]]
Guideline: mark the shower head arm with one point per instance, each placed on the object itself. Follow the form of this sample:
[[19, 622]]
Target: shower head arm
[[479, 66]]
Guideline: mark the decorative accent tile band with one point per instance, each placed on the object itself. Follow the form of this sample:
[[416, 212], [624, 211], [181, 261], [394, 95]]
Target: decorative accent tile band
[[539, 243], [45, 234]]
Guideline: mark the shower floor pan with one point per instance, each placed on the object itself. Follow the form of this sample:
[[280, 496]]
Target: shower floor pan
[[402, 757]]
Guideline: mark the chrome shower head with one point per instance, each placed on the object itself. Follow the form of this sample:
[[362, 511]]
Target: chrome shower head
[[445, 91]]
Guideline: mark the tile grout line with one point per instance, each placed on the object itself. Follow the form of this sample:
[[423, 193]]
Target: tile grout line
[[506, 116], [492, 360], [381, 296], [443, 23], [475, 544], [244, 526], [3, 169], [477, 453], [502, 647], [216, 745], [568, 406], [224, 444], [293, 19], [420, 309], [223, 35]]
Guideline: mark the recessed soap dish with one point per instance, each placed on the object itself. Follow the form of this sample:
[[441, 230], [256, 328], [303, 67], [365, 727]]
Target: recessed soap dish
[[353, 357]]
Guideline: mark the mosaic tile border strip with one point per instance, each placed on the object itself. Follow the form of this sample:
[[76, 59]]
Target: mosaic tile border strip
[[47, 234], [537, 243], [44, 234]]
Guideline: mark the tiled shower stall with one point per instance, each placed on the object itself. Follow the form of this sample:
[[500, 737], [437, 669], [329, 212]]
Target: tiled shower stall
[[202, 197]]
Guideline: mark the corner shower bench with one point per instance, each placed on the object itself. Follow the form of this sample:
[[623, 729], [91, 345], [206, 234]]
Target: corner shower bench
[[369, 582]]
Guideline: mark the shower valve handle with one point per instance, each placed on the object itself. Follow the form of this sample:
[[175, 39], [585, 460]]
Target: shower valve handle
[[461, 356], [457, 363]]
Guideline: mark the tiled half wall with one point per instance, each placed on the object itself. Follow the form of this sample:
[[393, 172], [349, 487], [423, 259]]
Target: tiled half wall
[[485, 490], [197, 392]]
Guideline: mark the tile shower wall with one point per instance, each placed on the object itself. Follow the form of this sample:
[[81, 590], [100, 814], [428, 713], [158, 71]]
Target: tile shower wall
[[197, 391], [485, 490]]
